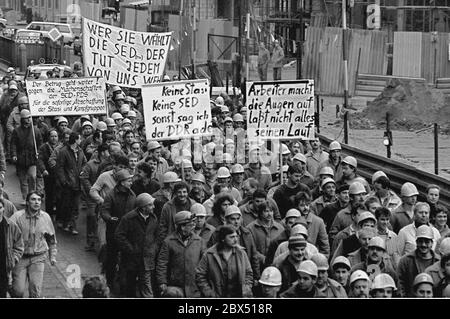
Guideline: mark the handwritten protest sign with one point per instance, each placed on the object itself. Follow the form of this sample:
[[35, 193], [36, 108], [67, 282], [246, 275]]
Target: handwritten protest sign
[[280, 110], [71, 96], [124, 57], [174, 110]]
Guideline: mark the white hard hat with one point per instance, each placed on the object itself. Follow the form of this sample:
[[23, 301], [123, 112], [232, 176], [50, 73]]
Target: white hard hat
[[285, 149], [326, 181], [356, 188], [444, 247], [350, 160], [341, 260], [299, 229], [300, 157], [198, 209], [170, 177], [271, 276], [220, 101], [321, 261], [365, 216], [308, 267], [116, 116], [292, 213], [238, 118], [377, 175], [377, 242], [359, 275], [327, 170], [423, 278], [183, 217], [231, 210], [152, 145], [383, 281], [87, 123], [223, 172], [237, 169], [62, 119], [408, 189], [335, 145], [131, 114]]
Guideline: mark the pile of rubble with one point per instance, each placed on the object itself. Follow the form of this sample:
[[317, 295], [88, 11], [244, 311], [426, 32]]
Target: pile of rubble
[[411, 105]]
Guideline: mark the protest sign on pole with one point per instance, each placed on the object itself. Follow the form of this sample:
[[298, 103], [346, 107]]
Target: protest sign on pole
[[280, 110], [67, 96], [124, 57], [174, 110]]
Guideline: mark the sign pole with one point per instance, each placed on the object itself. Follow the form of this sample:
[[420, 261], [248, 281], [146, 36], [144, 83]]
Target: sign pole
[[281, 163], [34, 139]]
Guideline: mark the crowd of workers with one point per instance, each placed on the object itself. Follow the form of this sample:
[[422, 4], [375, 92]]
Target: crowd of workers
[[205, 218]]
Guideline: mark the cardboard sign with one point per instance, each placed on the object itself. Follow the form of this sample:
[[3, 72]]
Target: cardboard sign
[[174, 110], [124, 57], [280, 110], [71, 96]]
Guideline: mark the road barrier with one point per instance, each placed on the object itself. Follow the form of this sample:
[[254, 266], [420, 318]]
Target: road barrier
[[397, 172]]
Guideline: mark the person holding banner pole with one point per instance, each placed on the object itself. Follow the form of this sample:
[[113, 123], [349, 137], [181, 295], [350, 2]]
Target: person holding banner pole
[[24, 144]]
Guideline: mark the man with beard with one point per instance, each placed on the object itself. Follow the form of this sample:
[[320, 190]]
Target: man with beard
[[306, 178], [288, 266], [250, 209], [237, 178], [364, 237], [180, 253], [343, 218], [328, 186], [406, 241], [317, 234], [404, 214], [327, 286], [180, 202], [417, 261], [377, 261], [284, 196]]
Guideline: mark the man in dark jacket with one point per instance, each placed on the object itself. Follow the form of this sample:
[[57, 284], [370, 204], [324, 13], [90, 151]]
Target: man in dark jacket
[[69, 164], [119, 201], [24, 147], [180, 253], [136, 239]]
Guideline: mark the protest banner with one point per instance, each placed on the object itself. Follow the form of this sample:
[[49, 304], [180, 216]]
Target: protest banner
[[67, 96], [280, 110], [174, 110], [124, 57]]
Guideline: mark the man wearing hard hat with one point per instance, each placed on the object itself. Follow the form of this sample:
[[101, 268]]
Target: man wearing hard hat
[[382, 190], [328, 187], [349, 175], [359, 284], [269, 283], [423, 286], [334, 160], [305, 287], [417, 261], [440, 270], [404, 214], [327, 286], [383, 286]]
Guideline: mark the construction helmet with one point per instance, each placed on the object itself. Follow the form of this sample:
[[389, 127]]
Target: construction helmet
[[271, 276], [299, 229], [116, 116], [326, 181], [408, 189], [365, 216], [350, 160], [153, 145], [377, 175], [238, 118], [22, 100], [308, 267], [144, 199], [356, 188], [120, 96], [300, 157], [383, 281], [198, 210], [170, 177], [126, 122], [326, 171], [285, 149], [335, 145], [231, 210], [110, 122], [359, 275], [116, 88], [183, 217], [219, 101], [101, 126], [223, 172], [131, 114], [87, 123], [377, 242], [62, 119], [199, 178], [237, 169], [423, 278], [125, 108], [321, 261], [228, 119], [444, 247], [292, 213], [25, 114], [341, 260]]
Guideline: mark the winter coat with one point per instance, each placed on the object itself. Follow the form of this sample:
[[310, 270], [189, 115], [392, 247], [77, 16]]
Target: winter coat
[[68, 168], [13, 120], [167, 219], [263, 237], [288, 273], [313, 161], [45, 151], [136, 240], [436, 272], [334, 290], [209, 274], [407, 270], [317, 234], [206, 232], [400, 219], [88, 176], [294, 292], [22, 146], [249, 213], [176, 263], [14, 244], [118, 202]]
